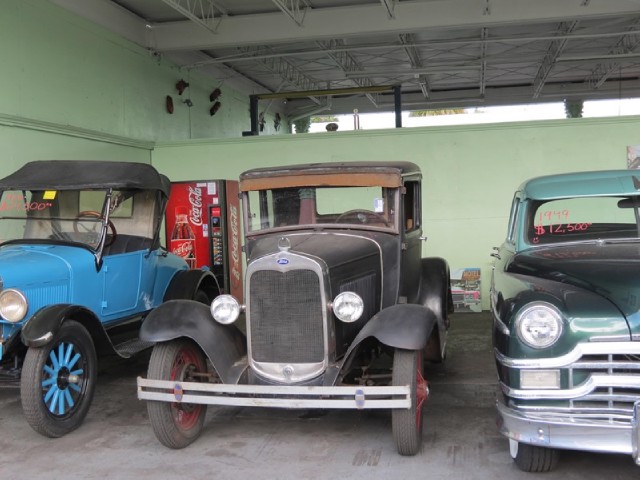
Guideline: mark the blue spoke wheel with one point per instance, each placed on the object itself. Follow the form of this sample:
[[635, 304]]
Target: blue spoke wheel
[[58, 381]]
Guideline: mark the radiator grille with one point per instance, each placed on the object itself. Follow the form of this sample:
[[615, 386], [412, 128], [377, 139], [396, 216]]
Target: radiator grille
[[607, 401], [286, 319]]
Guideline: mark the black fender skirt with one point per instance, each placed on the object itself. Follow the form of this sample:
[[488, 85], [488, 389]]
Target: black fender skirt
[[225, 345]]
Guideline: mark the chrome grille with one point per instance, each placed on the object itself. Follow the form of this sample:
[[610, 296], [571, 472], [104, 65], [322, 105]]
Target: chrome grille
[[286, 321], [609, 401]]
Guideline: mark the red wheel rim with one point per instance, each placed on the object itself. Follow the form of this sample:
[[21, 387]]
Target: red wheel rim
[[421, 390], [186, 415]]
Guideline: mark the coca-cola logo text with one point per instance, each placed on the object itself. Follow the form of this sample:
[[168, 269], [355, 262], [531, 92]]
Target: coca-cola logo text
[[195, 199], [181, 248], [235, 246]]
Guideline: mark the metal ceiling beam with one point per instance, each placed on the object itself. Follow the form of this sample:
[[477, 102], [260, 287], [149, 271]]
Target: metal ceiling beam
[[292, 9], [431, 44], [553, 52], [347, 63], [331, 92], [389, 6], [290, 74], [200, 12], [626, 45], [342, 22], [407, 41], [483, 60]]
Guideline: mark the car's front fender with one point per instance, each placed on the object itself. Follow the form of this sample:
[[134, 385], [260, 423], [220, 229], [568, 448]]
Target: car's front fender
[[225, 345], [40, 329], [404, 326]]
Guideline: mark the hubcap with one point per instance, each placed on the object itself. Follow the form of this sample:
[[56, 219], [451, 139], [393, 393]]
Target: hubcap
[[185, 363], [61, 376]]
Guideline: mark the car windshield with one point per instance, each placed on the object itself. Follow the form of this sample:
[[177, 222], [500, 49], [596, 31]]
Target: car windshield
[[365, 207], [65, 216], [583, 218]]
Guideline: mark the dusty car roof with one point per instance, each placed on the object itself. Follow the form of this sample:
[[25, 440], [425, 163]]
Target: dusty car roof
[[78, 174], [386, 174], [583, 184]]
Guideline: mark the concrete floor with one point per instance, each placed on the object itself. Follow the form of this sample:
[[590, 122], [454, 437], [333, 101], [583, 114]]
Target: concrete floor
[[460, 437]]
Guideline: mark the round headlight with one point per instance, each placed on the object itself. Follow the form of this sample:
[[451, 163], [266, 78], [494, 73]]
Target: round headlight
[[539, 325], [225, 309], [348, 306], [13, 305]]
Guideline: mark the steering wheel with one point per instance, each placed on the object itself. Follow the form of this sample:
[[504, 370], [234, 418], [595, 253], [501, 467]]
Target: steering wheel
[[93, 214], [363, 217]]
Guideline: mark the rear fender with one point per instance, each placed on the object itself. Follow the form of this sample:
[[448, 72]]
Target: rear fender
[[435, 294], [225, 345], [186, 283]]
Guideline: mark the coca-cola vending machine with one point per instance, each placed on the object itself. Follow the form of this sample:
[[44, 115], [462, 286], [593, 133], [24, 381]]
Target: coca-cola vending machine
[[203, 226]]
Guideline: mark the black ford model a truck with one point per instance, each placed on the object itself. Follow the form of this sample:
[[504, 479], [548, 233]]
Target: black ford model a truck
[[341, 309]]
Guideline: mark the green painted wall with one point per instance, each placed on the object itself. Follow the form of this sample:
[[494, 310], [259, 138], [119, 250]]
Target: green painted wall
[[61, 69], [470, 172]]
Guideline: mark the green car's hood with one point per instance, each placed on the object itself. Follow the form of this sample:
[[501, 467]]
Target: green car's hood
[[611, 270]]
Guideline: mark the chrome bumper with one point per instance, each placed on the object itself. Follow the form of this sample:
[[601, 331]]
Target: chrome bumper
[[347, 397], [564, 431]]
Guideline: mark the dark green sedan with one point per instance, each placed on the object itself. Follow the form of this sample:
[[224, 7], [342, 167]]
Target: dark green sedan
[[565, 296]]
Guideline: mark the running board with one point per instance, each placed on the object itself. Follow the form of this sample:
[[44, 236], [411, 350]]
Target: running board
[[131, 347]]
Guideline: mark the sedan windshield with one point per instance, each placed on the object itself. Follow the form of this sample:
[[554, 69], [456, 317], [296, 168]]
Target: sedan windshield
[[366, 207], [583, 218]]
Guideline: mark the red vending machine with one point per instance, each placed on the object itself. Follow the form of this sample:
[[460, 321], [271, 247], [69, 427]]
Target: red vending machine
[[202, 224]]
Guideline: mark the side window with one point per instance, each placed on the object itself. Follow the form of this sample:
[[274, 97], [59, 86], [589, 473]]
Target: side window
[[411, 206], [513, 218]]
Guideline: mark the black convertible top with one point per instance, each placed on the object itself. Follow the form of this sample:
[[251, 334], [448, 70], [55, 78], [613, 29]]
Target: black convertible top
[[85, 174]]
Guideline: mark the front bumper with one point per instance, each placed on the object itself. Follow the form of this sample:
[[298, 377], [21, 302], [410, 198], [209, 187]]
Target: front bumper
[[565, 431], [279, 396]]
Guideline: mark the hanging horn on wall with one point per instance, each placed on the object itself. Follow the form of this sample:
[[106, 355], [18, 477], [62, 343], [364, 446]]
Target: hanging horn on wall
[[214, 95], [214, 108], [181, 85]]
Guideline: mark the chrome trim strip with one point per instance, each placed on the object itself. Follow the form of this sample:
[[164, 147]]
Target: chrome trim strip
[[566, 360], [565, 432], [343, 397], [596, 380], [635, 432]]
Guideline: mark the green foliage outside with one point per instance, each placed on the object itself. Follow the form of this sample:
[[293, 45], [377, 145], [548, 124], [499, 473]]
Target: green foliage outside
[[573, 108], [324, 118], [302, 125], [433, 113]]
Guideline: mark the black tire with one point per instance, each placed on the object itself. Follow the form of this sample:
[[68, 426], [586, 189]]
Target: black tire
[[176, 425], [531, 458], [407, 423], [58, 381]]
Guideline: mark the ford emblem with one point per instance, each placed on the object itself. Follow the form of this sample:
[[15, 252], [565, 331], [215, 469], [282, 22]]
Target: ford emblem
[[283, 261]]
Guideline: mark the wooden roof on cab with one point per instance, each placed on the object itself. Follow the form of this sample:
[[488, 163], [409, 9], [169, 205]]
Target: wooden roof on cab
[[335, 174]]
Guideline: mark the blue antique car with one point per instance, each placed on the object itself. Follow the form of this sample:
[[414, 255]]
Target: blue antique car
[[80, 267], [565, 297]]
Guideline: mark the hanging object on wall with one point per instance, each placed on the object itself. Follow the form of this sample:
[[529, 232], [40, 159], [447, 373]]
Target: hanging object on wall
[[169, 104], [276, 122], [181, 85], [214, 95], [261, 121], [188, 102], [214, 108]]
